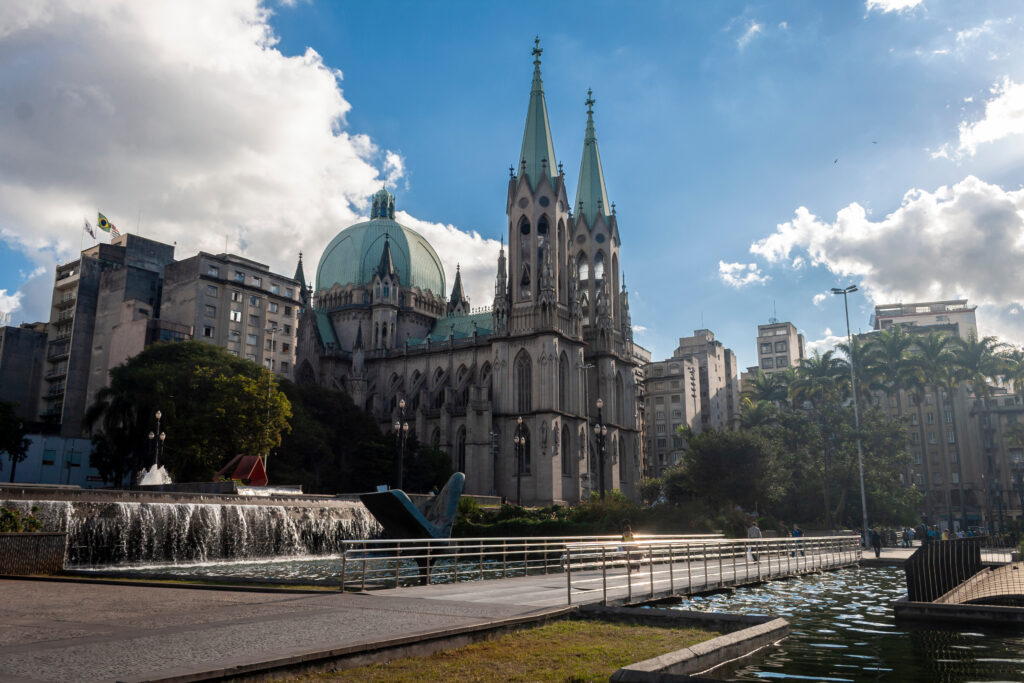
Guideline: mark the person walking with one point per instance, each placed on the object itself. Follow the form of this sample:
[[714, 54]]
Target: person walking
[[876, 542], [906, 537], [754, 532], [797, 533]]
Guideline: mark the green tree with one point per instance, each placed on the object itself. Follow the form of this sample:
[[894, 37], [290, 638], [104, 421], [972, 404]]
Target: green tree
[[213, 407], [12, 436], [772, 388]]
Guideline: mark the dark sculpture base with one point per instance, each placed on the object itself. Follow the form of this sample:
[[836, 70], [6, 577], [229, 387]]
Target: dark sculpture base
[[402, 519]]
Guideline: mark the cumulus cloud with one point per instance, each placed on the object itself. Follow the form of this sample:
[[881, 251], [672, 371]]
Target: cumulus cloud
[[753, 28], [741, 274], [183, 111], [639, 329], [9, 303], [967, 239], [826, 343], [892, 5], [819, 298], [1004, 116]]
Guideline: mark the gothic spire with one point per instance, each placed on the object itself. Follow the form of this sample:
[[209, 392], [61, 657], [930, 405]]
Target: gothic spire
[[387, 264], [359, 337], [591, 194], [538, 154], [300, 276], [458, 296]]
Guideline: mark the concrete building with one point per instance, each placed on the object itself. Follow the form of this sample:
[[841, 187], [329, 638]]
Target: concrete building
[[97, 284], [237, 304], [557, 337], [22, 350], [779, 346], [672, 399], [953, 315], [719, 388]]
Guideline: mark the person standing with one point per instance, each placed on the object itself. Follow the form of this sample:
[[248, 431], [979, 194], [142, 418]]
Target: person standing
[[876, 542], [798, 533], [754, 532]]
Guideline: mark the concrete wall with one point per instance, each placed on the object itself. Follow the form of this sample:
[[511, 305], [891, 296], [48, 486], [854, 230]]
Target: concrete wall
[[22, 353]]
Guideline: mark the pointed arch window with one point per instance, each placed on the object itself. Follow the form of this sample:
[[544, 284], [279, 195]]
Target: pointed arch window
[[583, 267], [563, 383], [620, 403], [523, 384], [460, 451], [599, 266]]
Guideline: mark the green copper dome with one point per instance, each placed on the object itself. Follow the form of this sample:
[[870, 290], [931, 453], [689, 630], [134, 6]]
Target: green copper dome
[[354, 254]]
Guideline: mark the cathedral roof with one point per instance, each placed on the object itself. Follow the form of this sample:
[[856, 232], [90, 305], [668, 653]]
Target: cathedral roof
[[459, 326], [537, 157], [356, 252], [591, 194]]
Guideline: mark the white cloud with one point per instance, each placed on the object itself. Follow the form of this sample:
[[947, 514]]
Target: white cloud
[[186, 111], [892, 5], [826, 343], [9, 303], [819, 299], [639, 329], [1004, 116], [753, 28], [965, 240], [783, 25], [741, 274]]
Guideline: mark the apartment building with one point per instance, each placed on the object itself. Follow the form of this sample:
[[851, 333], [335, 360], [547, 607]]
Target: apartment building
[[954, 315], [237, 304], [671, 400], [22, 350], [718, 379], [779, 346]]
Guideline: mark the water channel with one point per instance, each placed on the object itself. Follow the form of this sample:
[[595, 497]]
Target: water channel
[[843, 630]]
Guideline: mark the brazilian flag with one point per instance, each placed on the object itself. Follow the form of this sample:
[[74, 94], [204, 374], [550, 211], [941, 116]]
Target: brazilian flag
[[103, 224]]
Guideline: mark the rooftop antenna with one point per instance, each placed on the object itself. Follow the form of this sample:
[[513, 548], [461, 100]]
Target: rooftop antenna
[[775, 317]]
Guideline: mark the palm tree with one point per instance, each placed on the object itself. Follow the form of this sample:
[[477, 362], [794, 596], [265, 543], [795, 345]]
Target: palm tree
[[888, 354], [755, 414], [772, 388], [976, 363], [931, 360], [819, 379], [866, 373]]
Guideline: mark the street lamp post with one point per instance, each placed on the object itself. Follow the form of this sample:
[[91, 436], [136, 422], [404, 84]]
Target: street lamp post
[[600, 432], [270, 389], [586, 414], [520, 443], [856, 415], [402, 430]]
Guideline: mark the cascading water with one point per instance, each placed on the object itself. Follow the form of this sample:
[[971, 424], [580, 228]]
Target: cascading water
[[104, 533], [155, 475]]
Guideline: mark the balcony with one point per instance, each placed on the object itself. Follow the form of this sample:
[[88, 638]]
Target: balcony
[[58, 350], [56, 373], [55, 391], [67, 299]]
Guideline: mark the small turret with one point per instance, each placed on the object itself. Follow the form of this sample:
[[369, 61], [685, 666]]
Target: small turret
[[300, 276], [458, 302]]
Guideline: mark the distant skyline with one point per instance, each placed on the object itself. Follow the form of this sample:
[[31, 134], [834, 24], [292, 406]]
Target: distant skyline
[[758, 153]]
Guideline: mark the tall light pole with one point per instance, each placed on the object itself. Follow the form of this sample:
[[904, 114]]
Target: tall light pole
[[270, 389], [600, 431], [856, 415], [586, 414], [402, 431], [520, 443]]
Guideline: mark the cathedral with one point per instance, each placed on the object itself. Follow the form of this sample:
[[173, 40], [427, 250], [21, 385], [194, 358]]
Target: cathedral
[[533, 396]]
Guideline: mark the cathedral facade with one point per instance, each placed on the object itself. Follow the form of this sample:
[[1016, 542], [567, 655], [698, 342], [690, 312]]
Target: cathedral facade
[[533, 367]]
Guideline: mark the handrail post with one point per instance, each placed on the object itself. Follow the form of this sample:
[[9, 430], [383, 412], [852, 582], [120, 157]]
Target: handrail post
[[671, 570], [629, 582], [704, 551], [769, 553], [480, 561], [362, 586], [604, 577], [398, 562], [568, 574], [650, 560], [343, 553], [504, 558], [689, 569], [545, 557]]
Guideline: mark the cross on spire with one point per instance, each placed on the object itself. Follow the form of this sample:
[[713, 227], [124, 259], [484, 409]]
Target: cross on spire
[[537, 50], [590, 101]]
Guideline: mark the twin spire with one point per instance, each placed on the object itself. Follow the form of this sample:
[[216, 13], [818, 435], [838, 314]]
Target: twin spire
[[538, 154]]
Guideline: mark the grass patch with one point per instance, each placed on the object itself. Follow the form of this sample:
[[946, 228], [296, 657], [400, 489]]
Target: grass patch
[[564, 651]]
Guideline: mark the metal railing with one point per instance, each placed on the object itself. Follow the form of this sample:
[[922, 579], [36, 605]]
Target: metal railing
[[376, 564], [967, 570], [651, 568]]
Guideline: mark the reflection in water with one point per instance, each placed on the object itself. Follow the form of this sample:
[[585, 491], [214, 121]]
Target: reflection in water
[[843, 630]]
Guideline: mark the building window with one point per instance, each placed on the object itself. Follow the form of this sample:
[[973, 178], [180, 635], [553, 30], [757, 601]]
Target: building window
[[780, 347], [662, 443], [254, 320], [950, 436], [251, 356], [955, 477], [954, 457], [284, 366], [781, 362], [766, 347], [286, 348], [289, 292], [675, 398], [930, 418], [659, 415], [239, 276], [49, 456], [236, 296], [211, 311], [767, 363], [931, 437], [271, 345], [250, 339], [917, 458], [913, 419], [1017, 456], [677, 413], [948, 416], [211, 290], [915, 438], [268, 363], [659, 429], [257, 281], [213, 271], [208, 332], [254, 301], [236, 316], [675, 384], [275, 289], [937, 478], [233, 352], [919, 479], [929, 399], [272, 307], [523, 384], [287, 310], [234, 334]]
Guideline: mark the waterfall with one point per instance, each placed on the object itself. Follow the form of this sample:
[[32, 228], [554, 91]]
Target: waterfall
[[103, 533]]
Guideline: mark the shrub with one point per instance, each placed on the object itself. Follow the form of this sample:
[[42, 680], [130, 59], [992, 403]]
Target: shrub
[[19, 522]]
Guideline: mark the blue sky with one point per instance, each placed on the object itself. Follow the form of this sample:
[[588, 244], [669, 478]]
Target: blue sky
[[897, 125]]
